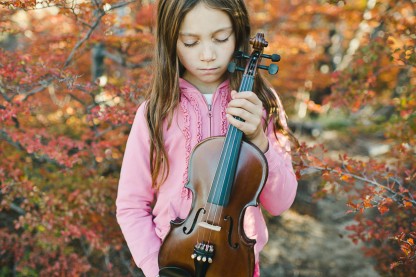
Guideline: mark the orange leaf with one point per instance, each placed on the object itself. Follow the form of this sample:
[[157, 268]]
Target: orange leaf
[[346, 178], [383, 209], [352, 205], [405, 249], [367, 204]]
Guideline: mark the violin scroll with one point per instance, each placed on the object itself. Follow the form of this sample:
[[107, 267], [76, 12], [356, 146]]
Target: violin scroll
[[258, 42]]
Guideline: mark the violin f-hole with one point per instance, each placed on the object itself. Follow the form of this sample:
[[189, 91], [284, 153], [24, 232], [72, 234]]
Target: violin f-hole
[[230, 232], [194, 222]]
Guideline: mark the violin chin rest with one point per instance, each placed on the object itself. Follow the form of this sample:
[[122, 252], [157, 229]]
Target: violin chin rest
[[172, 271]]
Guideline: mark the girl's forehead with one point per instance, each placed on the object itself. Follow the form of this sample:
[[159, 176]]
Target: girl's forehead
[[205, 20], [225, 30]]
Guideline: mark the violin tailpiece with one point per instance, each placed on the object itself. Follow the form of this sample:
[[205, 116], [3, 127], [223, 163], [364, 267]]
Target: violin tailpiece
[[202, 256]]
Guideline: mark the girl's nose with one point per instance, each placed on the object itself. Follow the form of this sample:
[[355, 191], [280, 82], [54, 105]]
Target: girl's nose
[[208, 53]]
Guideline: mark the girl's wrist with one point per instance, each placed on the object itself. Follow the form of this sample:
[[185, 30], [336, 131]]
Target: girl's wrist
[[261, 142]]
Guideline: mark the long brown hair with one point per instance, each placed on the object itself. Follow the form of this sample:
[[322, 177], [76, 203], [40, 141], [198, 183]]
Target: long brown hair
[[163, 95]]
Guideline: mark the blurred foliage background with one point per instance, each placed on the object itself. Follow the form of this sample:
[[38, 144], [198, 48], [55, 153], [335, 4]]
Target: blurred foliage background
[[72, 74]]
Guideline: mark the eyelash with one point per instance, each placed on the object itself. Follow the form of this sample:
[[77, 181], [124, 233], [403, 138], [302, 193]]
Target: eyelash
[[195, 43], [190, 45]]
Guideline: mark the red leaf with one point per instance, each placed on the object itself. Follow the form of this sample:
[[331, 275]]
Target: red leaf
[[393, 265]]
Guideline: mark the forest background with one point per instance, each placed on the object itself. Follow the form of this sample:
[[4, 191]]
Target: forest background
[[72, 74]]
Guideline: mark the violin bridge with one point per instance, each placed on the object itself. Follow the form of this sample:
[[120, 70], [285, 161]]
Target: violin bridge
[[209, 226]]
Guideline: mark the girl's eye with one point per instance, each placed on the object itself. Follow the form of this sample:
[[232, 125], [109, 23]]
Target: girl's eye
[[190, 44], [223, 37], [222, 40]]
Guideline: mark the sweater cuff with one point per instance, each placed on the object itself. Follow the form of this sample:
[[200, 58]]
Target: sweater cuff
[[150, 265]]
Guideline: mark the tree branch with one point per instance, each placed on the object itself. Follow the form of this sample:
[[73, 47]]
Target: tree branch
[[100, 13], [360, 178], [85, 38], [122, 61]]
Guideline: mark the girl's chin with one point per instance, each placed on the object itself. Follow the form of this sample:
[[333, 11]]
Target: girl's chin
[[206, 78], [217, 77]]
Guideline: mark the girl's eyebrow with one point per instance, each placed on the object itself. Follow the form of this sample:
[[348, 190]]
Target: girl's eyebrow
[[196, 35]]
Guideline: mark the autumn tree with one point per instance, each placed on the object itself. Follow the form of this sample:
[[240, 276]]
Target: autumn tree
[[72, 75], [352, 63]]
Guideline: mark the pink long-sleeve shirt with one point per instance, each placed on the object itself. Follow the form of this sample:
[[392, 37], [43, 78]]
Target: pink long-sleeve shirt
[[145, 227]]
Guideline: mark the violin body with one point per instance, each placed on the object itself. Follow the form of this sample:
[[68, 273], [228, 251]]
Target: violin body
[[233, 253]]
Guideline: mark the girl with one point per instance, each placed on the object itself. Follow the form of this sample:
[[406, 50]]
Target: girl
[[191, 98]]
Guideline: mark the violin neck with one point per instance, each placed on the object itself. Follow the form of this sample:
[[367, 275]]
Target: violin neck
[[224, 177]]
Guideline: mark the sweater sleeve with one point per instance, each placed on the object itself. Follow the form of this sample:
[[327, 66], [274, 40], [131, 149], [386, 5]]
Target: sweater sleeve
[[134, 198], [280, 189]]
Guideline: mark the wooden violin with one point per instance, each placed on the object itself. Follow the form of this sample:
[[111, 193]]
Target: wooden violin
[[226, 175]]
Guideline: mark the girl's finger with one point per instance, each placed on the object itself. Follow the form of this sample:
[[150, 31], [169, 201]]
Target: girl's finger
[[245, 105], [248, 95], [247, 128], [248, 116]]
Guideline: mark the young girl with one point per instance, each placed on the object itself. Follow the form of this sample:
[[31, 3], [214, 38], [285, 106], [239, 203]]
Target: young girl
[[193, 97]]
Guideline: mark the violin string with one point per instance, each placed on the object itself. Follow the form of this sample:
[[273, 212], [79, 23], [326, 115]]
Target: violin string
[[230, 148], [218, 179], [207, 214], [232, 137], [245, 85]]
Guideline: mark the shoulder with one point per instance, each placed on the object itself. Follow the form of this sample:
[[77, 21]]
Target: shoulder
[[140, 119], [141, 112], [142, 109]]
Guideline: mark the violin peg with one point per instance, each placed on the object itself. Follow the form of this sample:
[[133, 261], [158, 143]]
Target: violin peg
[[232, 67], [273, 69], [274, 57], [241, 55]]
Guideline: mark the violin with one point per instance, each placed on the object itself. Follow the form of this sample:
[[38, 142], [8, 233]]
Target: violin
[[226, 175]]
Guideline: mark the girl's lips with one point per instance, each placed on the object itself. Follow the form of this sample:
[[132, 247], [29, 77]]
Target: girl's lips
[[209, 70]]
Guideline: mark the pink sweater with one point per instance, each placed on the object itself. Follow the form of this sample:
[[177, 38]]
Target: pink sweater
[[145, 227]]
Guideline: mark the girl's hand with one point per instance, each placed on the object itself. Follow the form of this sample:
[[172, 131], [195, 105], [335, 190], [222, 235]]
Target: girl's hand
[[248, 106]]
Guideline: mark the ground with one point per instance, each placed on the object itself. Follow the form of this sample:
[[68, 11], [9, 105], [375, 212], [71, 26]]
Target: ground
[[304, 245]]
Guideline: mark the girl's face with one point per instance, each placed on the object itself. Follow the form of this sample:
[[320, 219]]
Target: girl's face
[[205, 46]]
